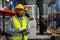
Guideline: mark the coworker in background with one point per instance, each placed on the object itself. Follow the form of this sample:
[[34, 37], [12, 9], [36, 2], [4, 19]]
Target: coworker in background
[[26, 13], [18, 25]]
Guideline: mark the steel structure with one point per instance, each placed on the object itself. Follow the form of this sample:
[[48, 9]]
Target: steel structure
[[57, 3]]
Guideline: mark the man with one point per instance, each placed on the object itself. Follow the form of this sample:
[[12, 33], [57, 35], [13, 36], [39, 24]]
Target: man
[[18, 24], [26, 13]]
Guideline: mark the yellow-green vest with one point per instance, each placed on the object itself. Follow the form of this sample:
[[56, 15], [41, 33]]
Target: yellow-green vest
[[17, 24]]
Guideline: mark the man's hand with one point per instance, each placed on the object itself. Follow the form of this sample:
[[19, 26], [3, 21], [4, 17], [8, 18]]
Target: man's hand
[[27, 30], [22, 29]]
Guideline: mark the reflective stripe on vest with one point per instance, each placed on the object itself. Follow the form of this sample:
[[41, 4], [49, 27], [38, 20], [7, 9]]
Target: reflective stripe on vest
[[17, 24]]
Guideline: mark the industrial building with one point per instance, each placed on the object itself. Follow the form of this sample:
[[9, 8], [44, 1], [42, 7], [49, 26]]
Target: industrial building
[[45, 24]]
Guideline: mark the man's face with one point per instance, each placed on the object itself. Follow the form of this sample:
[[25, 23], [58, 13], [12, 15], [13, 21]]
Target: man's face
[[19, 12]]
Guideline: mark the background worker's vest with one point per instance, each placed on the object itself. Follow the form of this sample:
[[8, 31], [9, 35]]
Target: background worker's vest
[[24, 14]]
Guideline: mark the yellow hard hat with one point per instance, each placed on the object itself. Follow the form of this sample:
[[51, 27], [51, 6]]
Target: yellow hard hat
[[26, 8], [20, 6]]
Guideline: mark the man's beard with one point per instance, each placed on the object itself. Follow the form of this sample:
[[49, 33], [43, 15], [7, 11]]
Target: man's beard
[[19, 15]]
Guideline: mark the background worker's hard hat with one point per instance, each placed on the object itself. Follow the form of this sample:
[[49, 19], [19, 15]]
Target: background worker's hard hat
[[20, 6], [26, 9]]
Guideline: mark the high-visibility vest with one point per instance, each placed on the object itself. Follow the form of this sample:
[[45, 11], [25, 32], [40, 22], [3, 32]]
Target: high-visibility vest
[[18, 24], [24, 13]]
